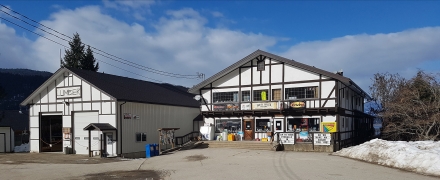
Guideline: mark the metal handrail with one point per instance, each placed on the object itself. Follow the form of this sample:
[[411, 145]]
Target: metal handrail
[[192, 136]]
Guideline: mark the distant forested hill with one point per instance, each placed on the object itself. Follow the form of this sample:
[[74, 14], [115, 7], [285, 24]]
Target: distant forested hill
[[19, 84]]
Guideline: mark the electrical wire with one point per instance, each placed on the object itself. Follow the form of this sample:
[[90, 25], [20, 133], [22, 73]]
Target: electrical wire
[[145, 68], [68, 47]]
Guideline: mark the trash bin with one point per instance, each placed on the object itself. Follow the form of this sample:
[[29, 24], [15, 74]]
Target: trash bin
[[66, 150], [147, 151], [155, 150]]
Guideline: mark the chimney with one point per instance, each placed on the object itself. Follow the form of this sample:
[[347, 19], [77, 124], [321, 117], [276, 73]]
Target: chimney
[[340, 72]]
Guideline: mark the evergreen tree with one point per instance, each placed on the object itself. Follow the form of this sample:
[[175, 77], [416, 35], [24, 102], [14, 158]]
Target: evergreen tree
[[74, 55], [88, 63], [78, 57]]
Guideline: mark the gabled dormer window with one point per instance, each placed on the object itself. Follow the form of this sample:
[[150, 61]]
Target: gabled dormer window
[[260, 65]]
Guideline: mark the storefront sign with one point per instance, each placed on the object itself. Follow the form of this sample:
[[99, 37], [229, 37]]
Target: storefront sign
[[287, 138], [268, 105], [246, 106], [127, 116], [297, 104], [329, 126], [68, 92], [226, 107], [322, 139]]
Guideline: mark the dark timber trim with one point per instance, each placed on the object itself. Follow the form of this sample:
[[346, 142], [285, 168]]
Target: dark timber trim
[[328, 97], [268, 84]]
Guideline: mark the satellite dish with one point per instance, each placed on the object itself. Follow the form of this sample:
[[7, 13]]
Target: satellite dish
[[197, 97]]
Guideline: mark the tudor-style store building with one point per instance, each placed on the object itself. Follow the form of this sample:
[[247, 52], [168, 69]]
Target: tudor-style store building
[[90, 112], [264, 92]]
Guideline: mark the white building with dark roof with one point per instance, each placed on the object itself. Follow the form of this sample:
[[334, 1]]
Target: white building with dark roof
[[122, 114], [306, 107]]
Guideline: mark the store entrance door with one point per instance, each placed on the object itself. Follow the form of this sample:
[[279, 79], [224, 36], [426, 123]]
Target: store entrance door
[[249, 129]]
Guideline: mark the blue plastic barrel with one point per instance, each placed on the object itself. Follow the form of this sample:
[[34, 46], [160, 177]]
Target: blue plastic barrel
[[147, 151], [156, 149]]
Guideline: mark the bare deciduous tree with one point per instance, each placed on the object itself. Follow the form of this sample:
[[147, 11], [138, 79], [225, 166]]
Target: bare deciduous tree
[[409, 109]]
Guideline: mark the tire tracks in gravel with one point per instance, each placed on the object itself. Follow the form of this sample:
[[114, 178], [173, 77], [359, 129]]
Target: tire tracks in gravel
[[282, 167]]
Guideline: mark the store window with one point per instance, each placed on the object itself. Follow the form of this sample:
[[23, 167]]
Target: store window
[[303, 124], [301, 93], [219, 97], [231, 125], [245, 96], [141, 137], [262, 125], [260, 95], [276, 94]]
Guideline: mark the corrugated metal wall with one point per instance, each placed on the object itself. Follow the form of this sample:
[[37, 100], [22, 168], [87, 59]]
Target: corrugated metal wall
[[151, 118]]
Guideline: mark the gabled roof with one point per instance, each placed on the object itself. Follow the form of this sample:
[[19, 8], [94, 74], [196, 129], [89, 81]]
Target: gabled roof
[[128, 89], [345, 80], [100, 127]]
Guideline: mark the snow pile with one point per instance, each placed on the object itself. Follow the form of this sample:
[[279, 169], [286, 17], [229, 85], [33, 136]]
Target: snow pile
[[22, 148], [419, 156]]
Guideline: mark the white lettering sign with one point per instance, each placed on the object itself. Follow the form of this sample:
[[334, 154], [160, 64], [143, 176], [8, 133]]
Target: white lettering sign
[[68, 92], [287, 138], [245, 106], [322, 139]]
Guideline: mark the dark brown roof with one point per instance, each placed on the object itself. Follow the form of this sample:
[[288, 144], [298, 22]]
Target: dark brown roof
[[99, 127], [134, 90], [345, 80], [128, 89]]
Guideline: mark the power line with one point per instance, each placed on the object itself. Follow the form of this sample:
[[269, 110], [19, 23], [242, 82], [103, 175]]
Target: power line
[[145, 68], [68, 47]]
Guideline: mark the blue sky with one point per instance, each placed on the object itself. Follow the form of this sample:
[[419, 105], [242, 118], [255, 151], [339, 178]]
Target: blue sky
[[185, 37]]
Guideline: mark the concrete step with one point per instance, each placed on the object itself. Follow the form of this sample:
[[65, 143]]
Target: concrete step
[[256, 145]]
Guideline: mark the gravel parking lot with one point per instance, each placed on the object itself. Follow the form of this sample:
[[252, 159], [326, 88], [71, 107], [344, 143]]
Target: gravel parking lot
[[209, 163]]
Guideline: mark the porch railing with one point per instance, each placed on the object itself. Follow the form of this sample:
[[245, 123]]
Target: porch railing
[[192, 136]]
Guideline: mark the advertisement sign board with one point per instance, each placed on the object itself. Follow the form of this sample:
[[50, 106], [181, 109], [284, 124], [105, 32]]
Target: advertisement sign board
[[322, 139]]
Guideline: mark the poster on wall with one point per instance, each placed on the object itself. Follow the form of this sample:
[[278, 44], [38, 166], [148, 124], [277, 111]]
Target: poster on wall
[[322, 139], [329, 126], [287, 138]]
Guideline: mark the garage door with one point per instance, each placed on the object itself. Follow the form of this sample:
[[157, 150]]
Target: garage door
[[2, 143], [81, 120]]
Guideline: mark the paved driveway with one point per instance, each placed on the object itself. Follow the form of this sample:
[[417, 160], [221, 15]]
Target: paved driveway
[[213, 163]]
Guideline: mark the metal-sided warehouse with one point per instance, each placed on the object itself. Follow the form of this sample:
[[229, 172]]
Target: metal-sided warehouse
[[264, 96], [86, 112]]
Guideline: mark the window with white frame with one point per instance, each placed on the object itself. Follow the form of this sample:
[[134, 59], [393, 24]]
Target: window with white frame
[[301, 92], [245, 96], [276, 94], [219, 97], [141, 137], [260, 95], [231, 125]]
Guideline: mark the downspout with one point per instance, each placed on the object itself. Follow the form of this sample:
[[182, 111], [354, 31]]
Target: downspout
[[120, 125]]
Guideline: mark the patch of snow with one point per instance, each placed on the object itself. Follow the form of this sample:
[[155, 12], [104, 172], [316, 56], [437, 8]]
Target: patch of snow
[[418, 156], [22, 148]]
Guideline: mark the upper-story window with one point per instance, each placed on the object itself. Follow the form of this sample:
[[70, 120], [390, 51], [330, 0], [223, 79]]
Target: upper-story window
[[276, 94], [219, 97], [301, 92], [260, 65], [260, 95], [245, 96]]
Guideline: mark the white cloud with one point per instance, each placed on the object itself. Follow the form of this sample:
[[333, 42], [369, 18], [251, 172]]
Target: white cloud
[[181, 43], [217, 14], [15, 51], [138, 9], [361, 56]]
